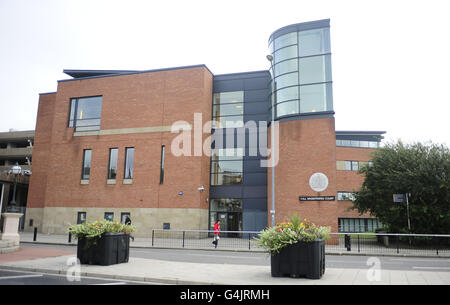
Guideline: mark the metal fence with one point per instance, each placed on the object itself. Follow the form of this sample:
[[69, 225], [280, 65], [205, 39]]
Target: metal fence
[[202, 239], [389, 244], [339, 243]]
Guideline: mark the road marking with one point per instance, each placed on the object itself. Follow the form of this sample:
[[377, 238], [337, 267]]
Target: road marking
[[20, 276], [406, 259], [434, 268], [115, 283]]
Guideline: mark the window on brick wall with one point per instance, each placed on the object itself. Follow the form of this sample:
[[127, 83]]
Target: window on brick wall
[[346, 196], [355, 225], [352, 165], [129, 163], [112, 168], [86, 170], [85, 113]]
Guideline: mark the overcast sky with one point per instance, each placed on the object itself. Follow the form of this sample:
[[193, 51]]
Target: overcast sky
[[390, 59]]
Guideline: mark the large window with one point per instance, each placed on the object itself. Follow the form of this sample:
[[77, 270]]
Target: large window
[[112, 168], [352, 165], [228, 109], [226, 166], [129, 163], [85, 113], [355, 143], [86, 170], [355, 225]]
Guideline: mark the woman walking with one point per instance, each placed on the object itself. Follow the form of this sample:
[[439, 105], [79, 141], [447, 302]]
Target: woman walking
[[216, 233]]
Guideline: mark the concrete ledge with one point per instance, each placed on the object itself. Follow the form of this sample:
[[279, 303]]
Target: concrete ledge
[[127, 181]]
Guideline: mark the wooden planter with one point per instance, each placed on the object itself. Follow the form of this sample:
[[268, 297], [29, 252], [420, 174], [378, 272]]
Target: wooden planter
[[109, 249], [303, 259]]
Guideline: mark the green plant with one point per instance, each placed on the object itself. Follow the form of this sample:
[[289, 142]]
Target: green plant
[[275, 238], [96, 229]]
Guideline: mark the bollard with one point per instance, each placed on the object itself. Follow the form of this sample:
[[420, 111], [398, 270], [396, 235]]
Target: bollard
[[348, 244], [35, 234], [70, 237]]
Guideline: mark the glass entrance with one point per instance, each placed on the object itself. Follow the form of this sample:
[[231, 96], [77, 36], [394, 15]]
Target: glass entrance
[[229, 212]]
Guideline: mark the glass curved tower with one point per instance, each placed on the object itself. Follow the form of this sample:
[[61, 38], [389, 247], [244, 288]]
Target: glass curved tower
[[301, 69]]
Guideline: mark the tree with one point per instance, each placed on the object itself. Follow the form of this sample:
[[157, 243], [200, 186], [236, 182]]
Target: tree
[[420, 169]]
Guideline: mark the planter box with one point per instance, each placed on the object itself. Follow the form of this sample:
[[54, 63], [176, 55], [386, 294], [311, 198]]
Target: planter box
[[109, 249], [303, 259]]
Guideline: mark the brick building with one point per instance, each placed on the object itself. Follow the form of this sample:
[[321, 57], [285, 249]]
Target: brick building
[[114, 143]]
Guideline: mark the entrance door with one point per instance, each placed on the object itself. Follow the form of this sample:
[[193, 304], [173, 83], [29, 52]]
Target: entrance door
[[222, 216], [229, 221]]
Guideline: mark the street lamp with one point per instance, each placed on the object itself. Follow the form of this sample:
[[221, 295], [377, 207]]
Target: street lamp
[[272, 141], [16, 170]]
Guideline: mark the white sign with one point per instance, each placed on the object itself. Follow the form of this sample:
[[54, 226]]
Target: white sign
[[318, 182]]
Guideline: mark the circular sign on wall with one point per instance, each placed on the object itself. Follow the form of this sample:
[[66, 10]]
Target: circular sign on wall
[[318, 182]]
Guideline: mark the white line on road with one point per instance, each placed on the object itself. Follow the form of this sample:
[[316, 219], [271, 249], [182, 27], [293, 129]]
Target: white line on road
[[20, 276], [115, 283], [408, 259], [434, 268]]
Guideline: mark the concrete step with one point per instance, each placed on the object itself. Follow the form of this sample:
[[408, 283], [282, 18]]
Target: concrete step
[[7, 246]]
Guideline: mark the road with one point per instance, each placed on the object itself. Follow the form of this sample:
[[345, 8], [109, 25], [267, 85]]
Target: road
[[8, 277], [262, 259]]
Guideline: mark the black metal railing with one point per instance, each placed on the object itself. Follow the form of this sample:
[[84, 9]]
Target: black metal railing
[[389, 244], [194, 239], [338, 243]]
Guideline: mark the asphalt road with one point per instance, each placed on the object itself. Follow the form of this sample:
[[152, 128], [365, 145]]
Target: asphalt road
[[31, 278], [262, 259]]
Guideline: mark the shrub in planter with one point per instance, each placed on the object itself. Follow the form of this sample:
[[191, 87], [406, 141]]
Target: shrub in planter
[[102, 242], [297, 248]]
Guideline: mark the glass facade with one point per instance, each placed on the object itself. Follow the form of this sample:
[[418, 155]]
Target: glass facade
[[301, 72], [228, 109], [227, 166]]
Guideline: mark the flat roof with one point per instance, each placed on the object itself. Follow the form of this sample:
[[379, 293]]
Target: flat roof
[[89, 74], [16, 135]]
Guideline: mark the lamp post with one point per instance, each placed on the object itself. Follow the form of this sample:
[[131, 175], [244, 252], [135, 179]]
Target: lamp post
[[16, 170], [272, 141]]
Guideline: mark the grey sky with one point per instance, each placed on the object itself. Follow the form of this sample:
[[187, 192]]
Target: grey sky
[[390, 59]]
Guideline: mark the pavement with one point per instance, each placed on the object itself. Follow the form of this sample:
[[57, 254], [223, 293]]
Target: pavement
[[50, 261]]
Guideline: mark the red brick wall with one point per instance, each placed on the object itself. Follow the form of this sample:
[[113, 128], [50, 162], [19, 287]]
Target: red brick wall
[[306, 147], [129, 101], [350, 180], [41, 151]]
